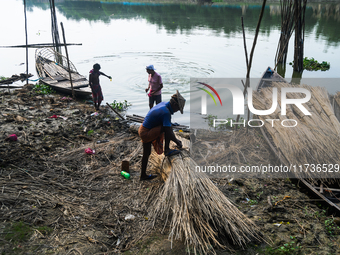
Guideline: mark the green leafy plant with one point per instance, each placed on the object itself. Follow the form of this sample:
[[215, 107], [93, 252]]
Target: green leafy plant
[[259, 195], [311, 64], [287, 248], [331, 226], [210, 119], [90, 132], [43, 89], [17, 232], [120, 106], [2, 78], [253, 202], [318, 214]]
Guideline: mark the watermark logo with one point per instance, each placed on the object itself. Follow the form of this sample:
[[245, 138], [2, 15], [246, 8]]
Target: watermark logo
[[204, 99], [238, 100]]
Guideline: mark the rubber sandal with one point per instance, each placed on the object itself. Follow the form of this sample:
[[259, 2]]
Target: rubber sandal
[[172, 152], [148, 177]]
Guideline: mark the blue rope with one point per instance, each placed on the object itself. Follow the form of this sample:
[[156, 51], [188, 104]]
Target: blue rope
[[36, 79]]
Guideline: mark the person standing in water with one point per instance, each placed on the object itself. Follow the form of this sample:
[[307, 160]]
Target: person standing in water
[[97, 94], [155, 86]]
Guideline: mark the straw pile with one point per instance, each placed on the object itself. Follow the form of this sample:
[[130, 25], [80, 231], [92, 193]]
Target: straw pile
[[336, 104], [197, 211], [337, 98], [315, 139]]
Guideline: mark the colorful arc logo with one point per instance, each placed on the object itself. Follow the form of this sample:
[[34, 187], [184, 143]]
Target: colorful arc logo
[[209, 93]]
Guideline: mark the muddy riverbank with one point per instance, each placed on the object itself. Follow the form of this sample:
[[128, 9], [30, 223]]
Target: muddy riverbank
[[56, 199]]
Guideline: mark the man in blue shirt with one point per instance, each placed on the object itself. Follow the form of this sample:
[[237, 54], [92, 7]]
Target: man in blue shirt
[[157, 123]]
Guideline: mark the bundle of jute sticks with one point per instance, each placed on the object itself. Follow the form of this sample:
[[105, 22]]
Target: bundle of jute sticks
[[194, 209], [312, 141]]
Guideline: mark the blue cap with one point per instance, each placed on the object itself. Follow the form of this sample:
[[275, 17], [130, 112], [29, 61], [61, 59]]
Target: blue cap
[[150, 67]]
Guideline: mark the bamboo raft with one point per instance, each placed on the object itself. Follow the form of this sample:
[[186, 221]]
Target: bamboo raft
[[304, 143], [51, 68]]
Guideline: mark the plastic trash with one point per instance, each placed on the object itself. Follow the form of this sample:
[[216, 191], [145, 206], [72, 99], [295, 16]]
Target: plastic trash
[[129, 217], [89, 151], [126, 175], [103, 141], [66, 98], [118, 242], [95, 114], [12, 137], [64, 118]]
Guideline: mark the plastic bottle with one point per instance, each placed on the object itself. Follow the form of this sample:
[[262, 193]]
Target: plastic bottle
[[125, 174], [103, 141]]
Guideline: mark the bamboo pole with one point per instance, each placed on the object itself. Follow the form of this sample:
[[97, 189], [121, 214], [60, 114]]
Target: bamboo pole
[[251, 54], [244, 43], [55, 33], [68, 60], [26, 41], [253, 49], [255, 39], [299, 13], [287, 22], [40, 45], [115, 111]]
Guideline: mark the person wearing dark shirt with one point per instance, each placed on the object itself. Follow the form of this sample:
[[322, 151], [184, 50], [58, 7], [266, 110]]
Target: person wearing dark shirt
[[96, 89], [156, 125]]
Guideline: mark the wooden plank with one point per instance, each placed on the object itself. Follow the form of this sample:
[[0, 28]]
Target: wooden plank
[[56, 70], [40, 45], [134, 119], [331, 189], [67, 84], [9, 87], [319, 194], [61, 78], [49, 70]]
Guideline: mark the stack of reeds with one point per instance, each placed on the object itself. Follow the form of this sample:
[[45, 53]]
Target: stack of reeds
[[313, 142], [336, 104], [195, 210]]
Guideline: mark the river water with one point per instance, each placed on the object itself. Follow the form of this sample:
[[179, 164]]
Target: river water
[[182, 40]]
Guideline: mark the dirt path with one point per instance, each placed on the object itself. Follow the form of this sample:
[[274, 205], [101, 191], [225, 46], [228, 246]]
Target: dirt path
[[56, 199]]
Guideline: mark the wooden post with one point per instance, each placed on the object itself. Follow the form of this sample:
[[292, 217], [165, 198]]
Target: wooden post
[[299, 15], [251, 55], [247, 63], [253, 49], [68, 61], [287, 21], [255, 39], [26, 42], [115, 111], [55, 33], [244, 43]]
